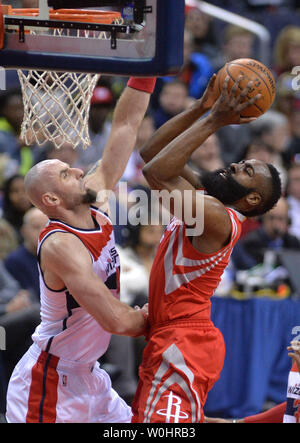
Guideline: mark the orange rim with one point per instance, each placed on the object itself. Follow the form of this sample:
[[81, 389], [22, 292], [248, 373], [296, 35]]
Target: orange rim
[[78, 15]]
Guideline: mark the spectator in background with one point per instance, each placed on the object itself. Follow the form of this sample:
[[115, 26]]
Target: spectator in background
[[173, 99], [137, 256], [204, 35], [233, 140], [22, 263], [102, 103], [11, 117], [293, 197], [194, 74], [196, 70], [8, 239], [15, 203], [292, 153], [273, 129], [8, 167], [208, 156], [287, 49], [19, 316], [238, 43], [273, 234], [287, 98], [258, 150]]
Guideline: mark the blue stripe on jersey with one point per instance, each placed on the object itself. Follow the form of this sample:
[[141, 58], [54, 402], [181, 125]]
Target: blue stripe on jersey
[[71, 304], [290, 408]]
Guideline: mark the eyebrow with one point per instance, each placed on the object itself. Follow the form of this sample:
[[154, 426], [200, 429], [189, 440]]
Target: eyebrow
[[63, 171]]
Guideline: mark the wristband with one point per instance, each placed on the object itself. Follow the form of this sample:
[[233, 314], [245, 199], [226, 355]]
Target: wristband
[[146, 84]]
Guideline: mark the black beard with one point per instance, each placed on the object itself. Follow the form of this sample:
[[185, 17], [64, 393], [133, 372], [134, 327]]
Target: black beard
[[226, 189], [89, 197]]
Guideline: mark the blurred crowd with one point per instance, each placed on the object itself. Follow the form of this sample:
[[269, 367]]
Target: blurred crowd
[[262, 263]]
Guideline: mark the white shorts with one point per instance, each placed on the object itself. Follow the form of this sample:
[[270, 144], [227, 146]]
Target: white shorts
[[46, 389]]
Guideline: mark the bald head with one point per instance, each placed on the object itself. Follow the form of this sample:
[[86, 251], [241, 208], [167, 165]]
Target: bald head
[[40, 179], [57, 189]]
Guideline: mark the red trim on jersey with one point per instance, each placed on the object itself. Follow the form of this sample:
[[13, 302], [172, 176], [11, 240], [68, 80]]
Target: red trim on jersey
[[92, 243], [43, 390]]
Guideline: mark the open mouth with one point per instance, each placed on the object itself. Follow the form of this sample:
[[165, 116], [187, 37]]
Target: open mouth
[[225, 173]]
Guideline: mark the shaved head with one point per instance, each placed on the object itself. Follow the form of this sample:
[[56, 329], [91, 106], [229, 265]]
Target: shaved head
[[39, 180], [54, 187]]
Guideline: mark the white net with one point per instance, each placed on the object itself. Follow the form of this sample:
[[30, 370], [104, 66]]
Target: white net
[[57, 104], [56, 107]]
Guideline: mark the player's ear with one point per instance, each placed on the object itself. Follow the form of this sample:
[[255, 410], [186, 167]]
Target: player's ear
[[50, 199], [253, 199]]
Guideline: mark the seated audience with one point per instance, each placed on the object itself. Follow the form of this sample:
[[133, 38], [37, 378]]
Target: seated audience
[[273, 129], [208, 156], [287, 49], [272, 235], [22, 263], [15, 203], [293, 197], [173, 99]]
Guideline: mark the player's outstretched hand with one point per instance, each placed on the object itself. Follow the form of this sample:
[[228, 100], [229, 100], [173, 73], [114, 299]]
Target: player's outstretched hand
[[228, 108], [295, 347]]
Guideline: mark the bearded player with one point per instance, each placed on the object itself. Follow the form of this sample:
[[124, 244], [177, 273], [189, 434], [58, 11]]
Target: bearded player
[[185, 352]]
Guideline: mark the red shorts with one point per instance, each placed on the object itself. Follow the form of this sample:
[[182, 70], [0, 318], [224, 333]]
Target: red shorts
[[181, 363]]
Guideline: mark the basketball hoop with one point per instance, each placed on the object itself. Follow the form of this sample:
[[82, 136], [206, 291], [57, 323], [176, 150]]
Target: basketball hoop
[[57, 104]]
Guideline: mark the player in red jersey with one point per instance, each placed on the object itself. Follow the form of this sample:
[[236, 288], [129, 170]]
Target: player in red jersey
[[185, 352], [59, 378]]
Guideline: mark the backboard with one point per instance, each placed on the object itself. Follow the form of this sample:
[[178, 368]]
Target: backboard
[[146, 40]]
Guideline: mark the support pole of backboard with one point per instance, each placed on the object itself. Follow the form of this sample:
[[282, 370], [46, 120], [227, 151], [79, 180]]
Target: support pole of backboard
[[43, 10]]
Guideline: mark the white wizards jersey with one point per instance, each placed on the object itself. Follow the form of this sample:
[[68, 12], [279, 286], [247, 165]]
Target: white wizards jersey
[[66, 329], [292, 413]]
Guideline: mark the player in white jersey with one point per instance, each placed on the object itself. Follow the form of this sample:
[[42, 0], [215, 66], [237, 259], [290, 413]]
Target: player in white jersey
[[59, 378]]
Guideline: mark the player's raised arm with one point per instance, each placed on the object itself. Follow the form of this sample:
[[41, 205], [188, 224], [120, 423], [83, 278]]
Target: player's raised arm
[[127, 118], [177, 125], [226, 111], [75, 272]]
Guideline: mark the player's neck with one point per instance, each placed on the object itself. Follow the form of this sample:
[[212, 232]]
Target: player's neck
[[79, 218]]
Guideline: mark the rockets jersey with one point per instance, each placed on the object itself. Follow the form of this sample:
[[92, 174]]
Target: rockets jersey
[[66, 329], [182, 279], [292, 412]]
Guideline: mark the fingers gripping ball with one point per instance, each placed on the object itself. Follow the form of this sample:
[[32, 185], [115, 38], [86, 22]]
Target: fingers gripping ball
[[259, 74]]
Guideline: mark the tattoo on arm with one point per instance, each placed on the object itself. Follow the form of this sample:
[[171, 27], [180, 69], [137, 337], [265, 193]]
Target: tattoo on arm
[[93, 168]]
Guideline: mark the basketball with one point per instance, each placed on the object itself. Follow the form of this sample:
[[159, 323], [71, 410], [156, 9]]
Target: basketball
[[251, 70]]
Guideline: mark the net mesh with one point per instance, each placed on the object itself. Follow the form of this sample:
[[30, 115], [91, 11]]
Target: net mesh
[[57, 104], [56, 107]]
